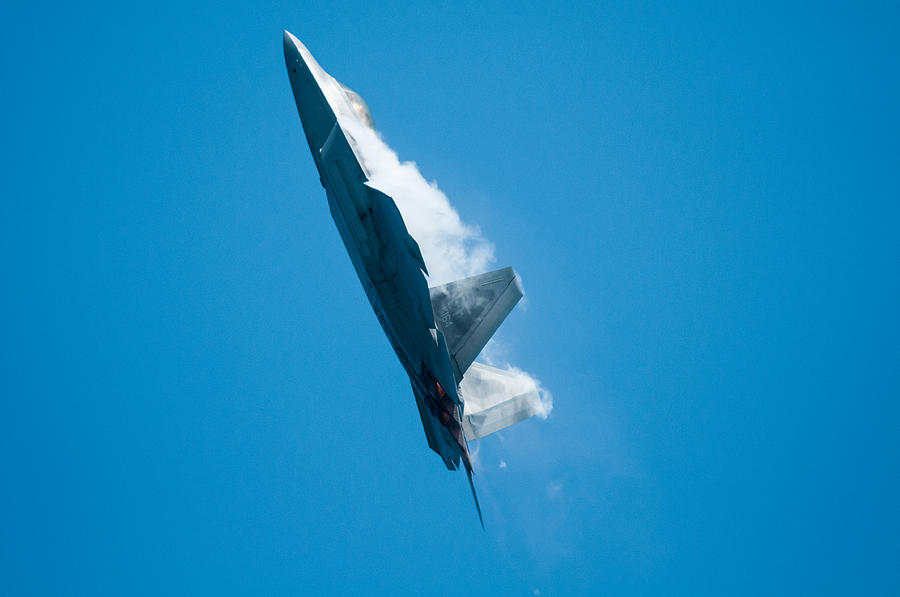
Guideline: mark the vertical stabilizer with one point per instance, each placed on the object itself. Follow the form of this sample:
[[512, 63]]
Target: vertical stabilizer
[[475, 495]]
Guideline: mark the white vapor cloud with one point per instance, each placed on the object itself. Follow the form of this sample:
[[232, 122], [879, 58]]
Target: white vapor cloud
[[520, 382], [452, 249]]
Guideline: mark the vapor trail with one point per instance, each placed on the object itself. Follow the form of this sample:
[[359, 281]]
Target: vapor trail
[[452, 249]]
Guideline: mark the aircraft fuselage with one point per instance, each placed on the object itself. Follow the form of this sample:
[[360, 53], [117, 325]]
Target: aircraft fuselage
[[384, 255]]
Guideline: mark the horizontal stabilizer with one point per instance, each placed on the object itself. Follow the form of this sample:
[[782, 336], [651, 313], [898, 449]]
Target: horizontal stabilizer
[[469, 311], [495, 399]]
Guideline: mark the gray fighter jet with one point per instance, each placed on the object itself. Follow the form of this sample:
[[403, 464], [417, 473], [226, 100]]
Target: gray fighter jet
[[436, 332]]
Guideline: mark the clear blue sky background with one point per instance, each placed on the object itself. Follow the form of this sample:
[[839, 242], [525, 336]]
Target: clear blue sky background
[[702, 202]]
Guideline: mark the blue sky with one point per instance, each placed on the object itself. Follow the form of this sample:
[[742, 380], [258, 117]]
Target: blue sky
[[701, 201]]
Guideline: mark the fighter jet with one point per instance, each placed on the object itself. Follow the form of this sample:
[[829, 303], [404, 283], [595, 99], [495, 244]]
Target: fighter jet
[[435, 332]]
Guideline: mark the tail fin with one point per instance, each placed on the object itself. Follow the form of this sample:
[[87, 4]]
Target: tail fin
[[474, 495], [469, 311]]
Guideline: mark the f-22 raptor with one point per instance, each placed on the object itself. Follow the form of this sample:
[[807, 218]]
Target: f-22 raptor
[[436, 332]]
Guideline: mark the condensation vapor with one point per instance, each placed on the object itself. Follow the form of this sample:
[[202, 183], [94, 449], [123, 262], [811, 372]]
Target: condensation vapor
[[452, 248]]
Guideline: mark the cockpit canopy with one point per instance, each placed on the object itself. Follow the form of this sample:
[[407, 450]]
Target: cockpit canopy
[[359, 106]]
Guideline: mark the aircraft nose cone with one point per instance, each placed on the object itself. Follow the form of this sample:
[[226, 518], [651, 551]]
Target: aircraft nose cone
[[289, 46]]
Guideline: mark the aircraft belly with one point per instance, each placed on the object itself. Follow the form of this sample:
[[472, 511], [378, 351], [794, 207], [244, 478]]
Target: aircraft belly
[[391, 274], [391, 305]]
